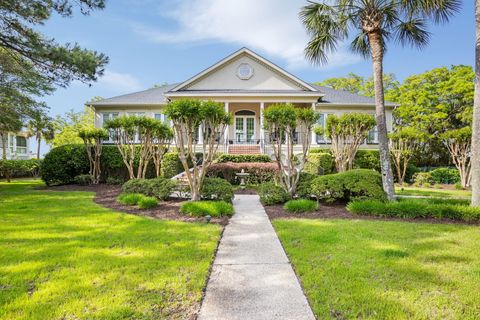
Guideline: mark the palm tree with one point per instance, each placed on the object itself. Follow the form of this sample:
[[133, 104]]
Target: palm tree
[[374, 22], [41, 127], [476, 115]]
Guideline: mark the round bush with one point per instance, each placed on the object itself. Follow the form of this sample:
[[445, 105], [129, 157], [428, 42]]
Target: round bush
[[271, 193], [62, 164], [216, 189], [83, 179], [445, 176], [300, 205], [130, 199], [359, 184], [207, 208], [304, 187], [147, 202]]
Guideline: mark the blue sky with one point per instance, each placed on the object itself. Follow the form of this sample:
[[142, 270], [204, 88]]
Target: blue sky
[[151, 42]]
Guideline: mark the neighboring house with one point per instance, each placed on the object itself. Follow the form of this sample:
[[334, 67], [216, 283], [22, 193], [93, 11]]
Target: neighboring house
[[18, 146], [246, 84]]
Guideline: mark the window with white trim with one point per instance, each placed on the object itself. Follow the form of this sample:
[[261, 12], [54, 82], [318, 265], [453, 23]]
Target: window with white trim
[[372, 137], [162, 117], [21, 144], [108, 116], [322, 123]]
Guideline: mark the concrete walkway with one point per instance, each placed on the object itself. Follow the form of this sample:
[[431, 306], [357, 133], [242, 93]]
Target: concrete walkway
[[251, 275]]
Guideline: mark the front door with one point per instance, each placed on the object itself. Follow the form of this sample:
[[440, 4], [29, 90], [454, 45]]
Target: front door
[[244, 129]]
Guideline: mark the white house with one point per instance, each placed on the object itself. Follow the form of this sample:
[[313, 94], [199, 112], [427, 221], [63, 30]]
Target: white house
[[17, 146], [246, 84]]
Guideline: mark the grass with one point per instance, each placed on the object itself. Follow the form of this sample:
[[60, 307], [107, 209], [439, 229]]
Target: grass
[[361, 269], [429, 192], [204, 208], [130, 199], [64, 257]]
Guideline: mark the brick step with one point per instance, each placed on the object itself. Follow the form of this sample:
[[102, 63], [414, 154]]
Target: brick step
[[244, 149]]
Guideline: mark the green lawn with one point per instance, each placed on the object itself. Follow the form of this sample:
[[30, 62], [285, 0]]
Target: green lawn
[[359, 269], [431, 192], [64, 257]]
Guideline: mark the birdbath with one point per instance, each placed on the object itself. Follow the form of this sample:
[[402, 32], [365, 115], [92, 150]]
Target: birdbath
[[242, 176]]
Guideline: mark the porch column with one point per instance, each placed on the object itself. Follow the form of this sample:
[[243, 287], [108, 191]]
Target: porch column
[[262, 132], [227, 129], [314, 136]]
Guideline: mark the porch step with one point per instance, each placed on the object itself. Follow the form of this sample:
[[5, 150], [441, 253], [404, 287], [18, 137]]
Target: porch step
[[253, 149]]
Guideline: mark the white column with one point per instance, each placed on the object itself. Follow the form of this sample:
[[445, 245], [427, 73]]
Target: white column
[[227, 129], [262, 132], [314, 136], [200, 135]]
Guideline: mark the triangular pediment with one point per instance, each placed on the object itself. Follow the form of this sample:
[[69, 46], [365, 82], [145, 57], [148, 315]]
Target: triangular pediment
[[244, 70]]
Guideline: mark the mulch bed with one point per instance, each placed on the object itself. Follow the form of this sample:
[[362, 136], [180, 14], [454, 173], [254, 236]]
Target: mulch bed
[[106, 196], [338, 211]]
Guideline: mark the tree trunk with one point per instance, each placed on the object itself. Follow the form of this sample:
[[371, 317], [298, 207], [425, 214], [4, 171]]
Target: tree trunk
[[39, 140], [476, 115], [377, 59], [4, 145]]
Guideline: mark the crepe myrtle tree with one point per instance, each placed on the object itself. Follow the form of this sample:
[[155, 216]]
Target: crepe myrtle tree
[[346, 133], [93, 140], [281, 122], [372, 24], [134, 135], [404, 143], [459, 145], [188, 116], [162, 136]]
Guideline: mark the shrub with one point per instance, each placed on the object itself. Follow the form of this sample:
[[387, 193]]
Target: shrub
[[459, 186], [300, 205], [83, 179], [242, 158], [216, 189], [19, 168], [367, 159], [115, 181], [271, 193], [445, 176], [160, 187], [62, 164], [417, 208], [130, 199], [171, 164], [304, 188], [259, 172], [319, 163], [354, 184], [204, 208], [147, 202], [422, 178]]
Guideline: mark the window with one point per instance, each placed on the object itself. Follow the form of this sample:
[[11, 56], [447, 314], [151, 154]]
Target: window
[[108, 116], [21, 144], [322, 123], [162, 117], [372, 137]]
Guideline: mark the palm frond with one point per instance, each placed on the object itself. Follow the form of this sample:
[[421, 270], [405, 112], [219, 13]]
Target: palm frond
[[412, 32], [439, 10], [360, 45]]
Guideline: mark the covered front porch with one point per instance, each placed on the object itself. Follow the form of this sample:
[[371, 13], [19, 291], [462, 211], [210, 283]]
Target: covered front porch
[[246, 135]]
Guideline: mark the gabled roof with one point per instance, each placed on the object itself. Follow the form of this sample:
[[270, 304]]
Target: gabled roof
[[248, 52]]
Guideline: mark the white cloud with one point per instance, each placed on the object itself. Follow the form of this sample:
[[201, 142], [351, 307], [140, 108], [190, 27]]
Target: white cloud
[[119, 82], [272, 26]]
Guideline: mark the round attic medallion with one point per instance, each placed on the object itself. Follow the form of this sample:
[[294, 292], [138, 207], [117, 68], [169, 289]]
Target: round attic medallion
[[244, 71]]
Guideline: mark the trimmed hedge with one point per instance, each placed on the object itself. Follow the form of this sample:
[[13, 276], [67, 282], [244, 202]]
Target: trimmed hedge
[[207, 208], [367, 159], [216, 189], [417, 208], [304, 188], [62, 164], [319, 163], [271, 193], [445, 176], [359, 184], [241, 158], [259, 172]]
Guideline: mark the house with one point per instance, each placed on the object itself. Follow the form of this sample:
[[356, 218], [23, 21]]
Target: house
[[246, 84], [17, 146]]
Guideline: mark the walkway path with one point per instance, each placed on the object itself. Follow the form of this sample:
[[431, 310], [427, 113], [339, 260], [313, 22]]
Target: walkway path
[[251, 275]]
